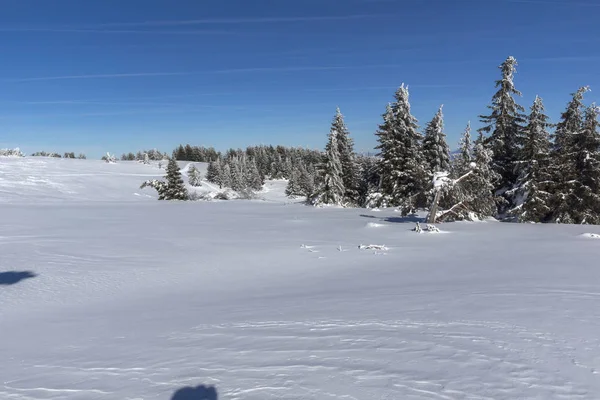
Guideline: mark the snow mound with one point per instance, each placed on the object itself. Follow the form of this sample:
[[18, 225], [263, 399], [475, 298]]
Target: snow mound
[[591, 235]]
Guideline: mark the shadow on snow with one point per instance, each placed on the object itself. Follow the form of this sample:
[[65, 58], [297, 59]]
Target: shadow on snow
[[398, 220], [14, 277], [196, 393]]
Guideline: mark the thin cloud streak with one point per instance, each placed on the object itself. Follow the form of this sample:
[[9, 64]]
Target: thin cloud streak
[[98, 76], [230, 71], [117, 31], [555, 3], [229, 21]]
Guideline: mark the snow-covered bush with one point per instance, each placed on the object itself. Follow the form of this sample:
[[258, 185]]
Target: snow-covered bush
[[16, 152]]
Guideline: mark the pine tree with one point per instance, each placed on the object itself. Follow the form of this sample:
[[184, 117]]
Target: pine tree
[[462, 162], [435, 147], [483, 202], [227, 175], [505, 127], [292, 188], [252, 176], [534, 183], [462, 193], [175, 187], [332, 188], [214, 173], [194, 176], [564, 202], [350, 175], [587, 162], [403, 176]]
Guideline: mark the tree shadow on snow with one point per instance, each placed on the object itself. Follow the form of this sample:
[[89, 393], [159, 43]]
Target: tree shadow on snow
[[196, 393], [14, 277], [397, 220]]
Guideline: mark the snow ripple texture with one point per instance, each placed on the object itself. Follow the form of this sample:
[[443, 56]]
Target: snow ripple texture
[[332, 360]]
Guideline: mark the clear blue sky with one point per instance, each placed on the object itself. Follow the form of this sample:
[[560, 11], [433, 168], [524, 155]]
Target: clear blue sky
[[122, 75]]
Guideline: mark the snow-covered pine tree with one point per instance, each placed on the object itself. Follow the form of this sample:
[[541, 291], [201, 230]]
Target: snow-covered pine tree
[[481, 188], [236, 165], [563, 160], [214, 172], [534, 184], [227, 175], [461, 193], [369, 179], [194, 176], [435, 147], [505, 126], [462, 162], [331, 190], [253, 180], [587, 162], [306, 180], [292, 188], [175, 187], [403, 174], [350, 175]]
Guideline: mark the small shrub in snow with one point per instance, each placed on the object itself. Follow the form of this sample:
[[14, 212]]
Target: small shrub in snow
[[11, 153], [222, 196]]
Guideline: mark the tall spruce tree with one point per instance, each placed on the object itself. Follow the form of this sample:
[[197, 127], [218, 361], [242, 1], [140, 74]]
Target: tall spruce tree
[[564, 202], [483, 201], [534, 184], [505, 125], [331, 190], [403, 176], [435, 147], [350, 171], [587, 162], [462, 162]]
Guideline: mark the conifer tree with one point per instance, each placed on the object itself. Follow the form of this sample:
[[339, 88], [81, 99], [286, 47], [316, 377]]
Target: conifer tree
[[175, 187], [194, 176], [587, 162], [292, 189], [403, 176], [462, 162], [483, 202], [332, 188], [252, 176], [214, 172], [347, 157], [435, 147], [534, 183], [563, 160], [462, 193], [171, 189], [504, 124]]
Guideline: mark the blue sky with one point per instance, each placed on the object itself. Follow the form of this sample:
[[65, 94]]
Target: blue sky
[[122, 75]]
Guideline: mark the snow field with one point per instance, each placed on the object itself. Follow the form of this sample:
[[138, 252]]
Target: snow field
[[134, 299]]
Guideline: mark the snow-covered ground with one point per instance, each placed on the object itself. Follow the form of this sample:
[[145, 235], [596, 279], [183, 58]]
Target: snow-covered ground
[[106, 293]]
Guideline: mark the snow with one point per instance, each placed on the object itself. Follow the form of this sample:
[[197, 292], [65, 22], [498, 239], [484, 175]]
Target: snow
[[105, 294]]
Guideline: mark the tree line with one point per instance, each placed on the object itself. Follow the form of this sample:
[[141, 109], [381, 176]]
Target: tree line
[[519, 166], [515, 169]]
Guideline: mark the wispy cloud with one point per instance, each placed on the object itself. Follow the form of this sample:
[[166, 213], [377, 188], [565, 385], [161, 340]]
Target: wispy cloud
[[97, 76], [115, 31], [108, 28], [235, 21], [567, 3], [229, 71]]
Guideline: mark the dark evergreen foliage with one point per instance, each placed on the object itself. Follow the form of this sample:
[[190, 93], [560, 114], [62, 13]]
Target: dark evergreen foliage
[[505, 126]]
